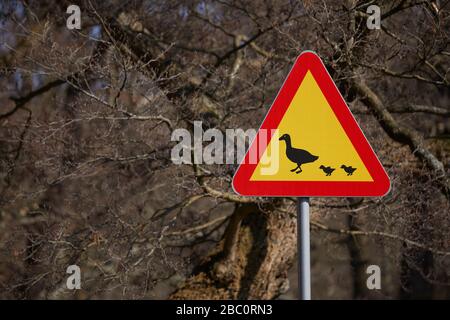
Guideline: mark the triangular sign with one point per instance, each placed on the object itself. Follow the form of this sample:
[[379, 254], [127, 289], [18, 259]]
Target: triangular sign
[[310, 144]]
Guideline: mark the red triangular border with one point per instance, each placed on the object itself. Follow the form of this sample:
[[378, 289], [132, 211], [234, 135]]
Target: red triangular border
[[378, 187]]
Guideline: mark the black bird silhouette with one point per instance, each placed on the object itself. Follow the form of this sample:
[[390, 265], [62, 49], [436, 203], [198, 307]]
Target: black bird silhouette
[[297, 156], [349, 169], [327, 170]]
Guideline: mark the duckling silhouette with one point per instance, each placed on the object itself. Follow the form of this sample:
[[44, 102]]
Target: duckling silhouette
[[349, 169], [327, 170], [297, 156]]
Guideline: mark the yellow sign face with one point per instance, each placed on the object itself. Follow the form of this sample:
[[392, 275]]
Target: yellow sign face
[[312, 126]]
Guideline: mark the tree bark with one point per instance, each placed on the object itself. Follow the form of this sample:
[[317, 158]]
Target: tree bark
[[251, 262]]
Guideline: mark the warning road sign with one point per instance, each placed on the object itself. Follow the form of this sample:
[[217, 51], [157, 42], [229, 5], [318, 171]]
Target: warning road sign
[[309, 144]]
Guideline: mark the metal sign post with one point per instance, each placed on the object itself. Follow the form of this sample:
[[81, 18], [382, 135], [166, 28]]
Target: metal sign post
[[304, 266], [312, 121]]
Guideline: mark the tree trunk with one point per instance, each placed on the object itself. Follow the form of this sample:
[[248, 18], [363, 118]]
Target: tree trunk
[[251, 262], [356, 261]]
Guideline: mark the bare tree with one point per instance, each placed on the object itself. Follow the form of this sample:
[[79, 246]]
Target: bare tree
[[85, 148]]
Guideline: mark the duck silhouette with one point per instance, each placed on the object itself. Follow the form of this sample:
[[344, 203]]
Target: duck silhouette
[[348, 169], [297, 156], [327, 170]]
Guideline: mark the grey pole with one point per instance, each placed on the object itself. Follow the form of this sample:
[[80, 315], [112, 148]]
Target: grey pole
[[304, 270]]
